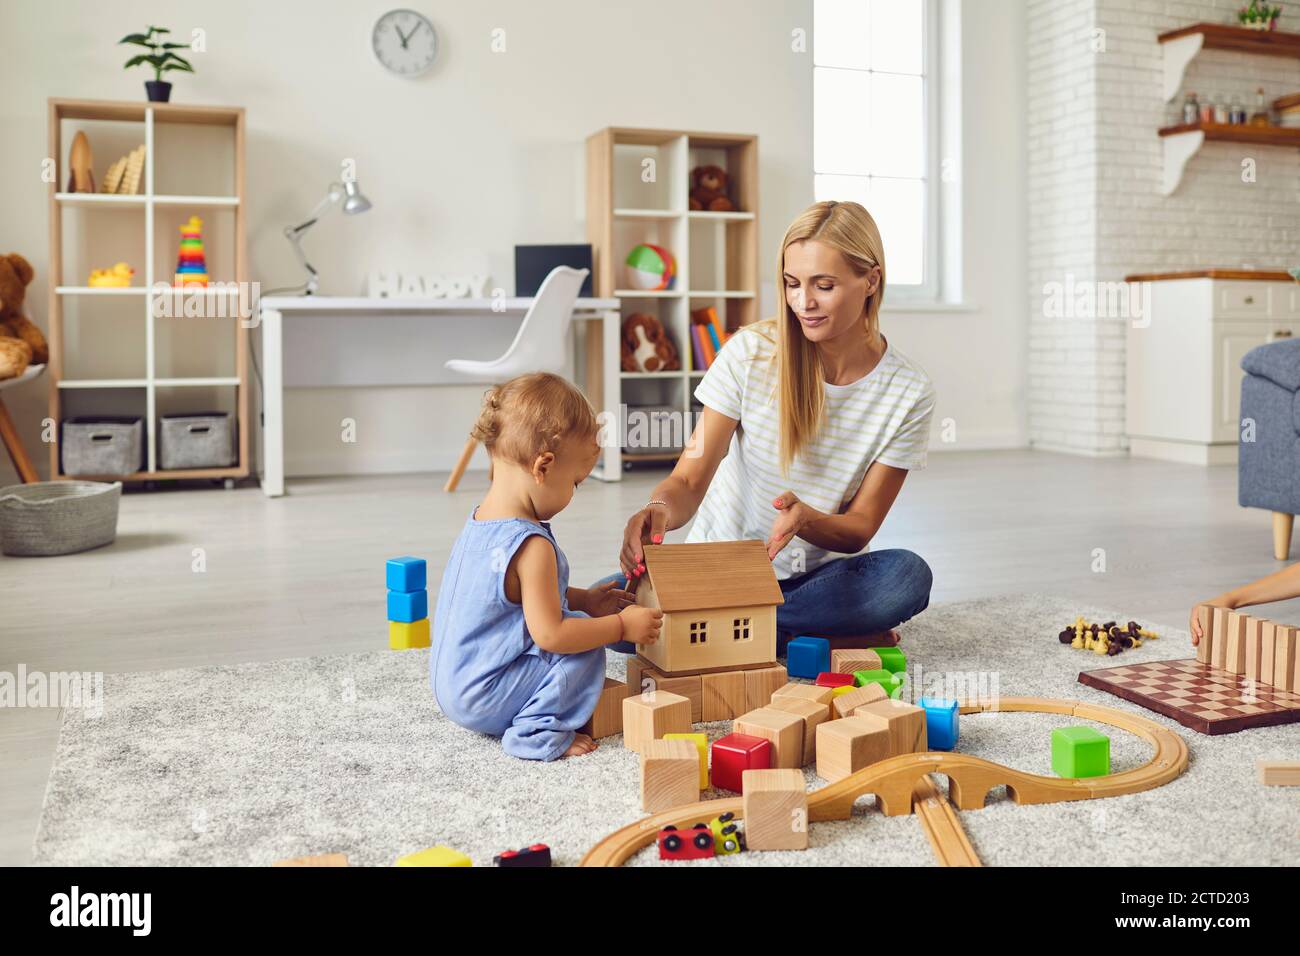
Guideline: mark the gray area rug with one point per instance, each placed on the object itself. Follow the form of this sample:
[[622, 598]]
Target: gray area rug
[[260, 762]]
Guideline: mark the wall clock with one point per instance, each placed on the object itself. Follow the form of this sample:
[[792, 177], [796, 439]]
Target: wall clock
[[404, 42]]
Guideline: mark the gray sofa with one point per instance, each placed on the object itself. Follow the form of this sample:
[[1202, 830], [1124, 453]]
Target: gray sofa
[[1268, 468]]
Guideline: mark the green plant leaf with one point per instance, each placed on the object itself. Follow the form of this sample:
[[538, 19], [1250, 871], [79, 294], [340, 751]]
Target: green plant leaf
[[136, 61]]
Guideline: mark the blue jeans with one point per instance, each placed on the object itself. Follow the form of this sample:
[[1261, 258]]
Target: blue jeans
[[859, 594]]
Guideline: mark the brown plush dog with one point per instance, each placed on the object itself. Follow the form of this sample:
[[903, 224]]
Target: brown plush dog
[[21, 342], [709, 189], [646, 346]]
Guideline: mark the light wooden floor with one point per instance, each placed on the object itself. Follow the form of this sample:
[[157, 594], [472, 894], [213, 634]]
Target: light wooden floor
[[303, 575]]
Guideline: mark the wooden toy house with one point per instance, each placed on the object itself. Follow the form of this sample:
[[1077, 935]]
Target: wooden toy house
[[719, 602]]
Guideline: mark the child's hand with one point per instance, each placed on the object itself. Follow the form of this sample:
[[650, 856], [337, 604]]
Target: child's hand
[[641, 624], [607, 599]]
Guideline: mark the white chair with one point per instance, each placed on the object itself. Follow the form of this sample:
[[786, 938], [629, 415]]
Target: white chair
[[541, 345]]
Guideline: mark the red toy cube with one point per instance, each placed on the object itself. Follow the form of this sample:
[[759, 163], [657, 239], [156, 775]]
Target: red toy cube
[[827, 679], [736, 753]]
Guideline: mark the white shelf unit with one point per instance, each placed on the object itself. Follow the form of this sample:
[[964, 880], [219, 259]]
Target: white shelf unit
[[638, 190], [151, 119]]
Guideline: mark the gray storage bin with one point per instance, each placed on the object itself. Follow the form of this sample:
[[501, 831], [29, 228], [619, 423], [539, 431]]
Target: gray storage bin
[[205, 440], [103, 445], [654, 429], [58, 517]]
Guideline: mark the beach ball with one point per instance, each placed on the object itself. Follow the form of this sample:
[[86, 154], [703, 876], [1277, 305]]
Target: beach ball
[[650, 267]]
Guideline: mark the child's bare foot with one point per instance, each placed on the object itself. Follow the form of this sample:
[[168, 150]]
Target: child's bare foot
[[582, 744]]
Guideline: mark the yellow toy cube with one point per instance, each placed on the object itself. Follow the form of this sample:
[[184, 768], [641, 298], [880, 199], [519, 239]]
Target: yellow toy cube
[[435, 856], [701, 742], [404, 636]]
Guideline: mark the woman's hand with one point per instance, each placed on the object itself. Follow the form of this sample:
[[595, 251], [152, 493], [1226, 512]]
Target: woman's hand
[[607, 599], [647, 526], [1195, 626], [793, 516]]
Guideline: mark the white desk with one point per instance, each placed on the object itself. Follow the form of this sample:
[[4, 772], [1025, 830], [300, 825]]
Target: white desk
[[600, 366]]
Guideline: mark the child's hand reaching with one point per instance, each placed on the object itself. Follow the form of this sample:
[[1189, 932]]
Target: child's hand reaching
[[607, 599], [641, 624]]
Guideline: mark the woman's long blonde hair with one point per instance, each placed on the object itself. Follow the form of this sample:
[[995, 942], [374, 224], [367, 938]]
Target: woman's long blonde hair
[[849, 228]]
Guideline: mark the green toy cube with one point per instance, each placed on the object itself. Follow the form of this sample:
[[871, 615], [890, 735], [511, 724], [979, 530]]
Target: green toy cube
[[1080, 752], [892, 659], [891, 683]]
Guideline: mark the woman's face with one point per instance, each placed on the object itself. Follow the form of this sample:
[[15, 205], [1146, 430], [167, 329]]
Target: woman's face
[[823, 292]]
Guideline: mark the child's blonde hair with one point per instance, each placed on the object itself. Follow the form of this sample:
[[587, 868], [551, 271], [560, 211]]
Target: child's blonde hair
[[531, 414]]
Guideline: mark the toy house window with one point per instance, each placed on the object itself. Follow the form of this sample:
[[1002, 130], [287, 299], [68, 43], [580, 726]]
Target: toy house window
[[740, 629], [699, 632]]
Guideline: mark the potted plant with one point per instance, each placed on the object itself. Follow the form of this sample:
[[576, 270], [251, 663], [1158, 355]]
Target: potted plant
[[1259, 16], [161, 57]]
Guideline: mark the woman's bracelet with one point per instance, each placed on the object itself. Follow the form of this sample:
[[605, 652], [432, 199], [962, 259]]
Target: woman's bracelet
[[656, 501]]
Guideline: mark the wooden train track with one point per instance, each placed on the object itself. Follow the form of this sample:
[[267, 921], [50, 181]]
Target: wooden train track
[[947, 839], [894, 782]]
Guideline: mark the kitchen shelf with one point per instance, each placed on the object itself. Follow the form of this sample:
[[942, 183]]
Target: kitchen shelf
[[1183, 141], [1181, 46]]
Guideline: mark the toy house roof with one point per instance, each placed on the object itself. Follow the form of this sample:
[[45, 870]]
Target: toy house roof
[[693, 577]]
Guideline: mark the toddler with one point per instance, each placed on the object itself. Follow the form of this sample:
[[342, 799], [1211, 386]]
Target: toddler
[[517, 653]]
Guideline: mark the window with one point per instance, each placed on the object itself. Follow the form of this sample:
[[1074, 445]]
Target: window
[[875, 126], [699, 632], [740, 629]]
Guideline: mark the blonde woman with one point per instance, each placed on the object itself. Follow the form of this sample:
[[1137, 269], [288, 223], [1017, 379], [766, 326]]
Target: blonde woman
[[811, 423]]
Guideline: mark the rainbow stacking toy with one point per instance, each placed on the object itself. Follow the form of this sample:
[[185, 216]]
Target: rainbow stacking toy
[[191, 267]]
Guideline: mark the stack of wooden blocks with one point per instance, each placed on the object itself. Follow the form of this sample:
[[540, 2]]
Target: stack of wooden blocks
[[1254, 648]]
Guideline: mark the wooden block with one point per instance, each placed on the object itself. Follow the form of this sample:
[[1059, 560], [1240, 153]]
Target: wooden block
[[723, 695], [857, 659], [818, 695], [1279, 773], [1219, 648], [811, 713], [846, 704], [1235, 652], [670, 775], [636, 668], [1253, 647], [1284, 658], [760, 683], [1204, 654], [648, 716], [1261, 633], [776, 810], [688, 687], [846, 746], [607, 719], [906, 724], [701, 742], [781, 728], [325, 859]]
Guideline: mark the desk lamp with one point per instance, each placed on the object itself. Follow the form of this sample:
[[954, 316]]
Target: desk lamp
[[354, 202]]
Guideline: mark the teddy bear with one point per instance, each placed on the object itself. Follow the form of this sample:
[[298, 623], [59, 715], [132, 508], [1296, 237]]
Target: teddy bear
[[21, 342], [709, 189], [646, 347]]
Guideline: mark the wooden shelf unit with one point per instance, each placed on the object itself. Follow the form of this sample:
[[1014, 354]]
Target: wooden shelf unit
[[638, 189], [1239, 133], [150, 116]]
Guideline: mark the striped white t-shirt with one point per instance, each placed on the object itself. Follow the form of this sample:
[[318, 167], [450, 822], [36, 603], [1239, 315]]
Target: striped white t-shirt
[[883, 416]]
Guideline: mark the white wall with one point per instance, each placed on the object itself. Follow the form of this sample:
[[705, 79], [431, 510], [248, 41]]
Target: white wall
[[486, 151], [1097, 213]]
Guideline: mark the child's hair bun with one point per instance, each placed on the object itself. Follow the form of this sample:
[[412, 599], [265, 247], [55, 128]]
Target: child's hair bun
[[532, 414]]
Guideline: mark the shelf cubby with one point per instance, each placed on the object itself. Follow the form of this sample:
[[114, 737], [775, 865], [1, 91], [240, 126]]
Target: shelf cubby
[[179, 362]]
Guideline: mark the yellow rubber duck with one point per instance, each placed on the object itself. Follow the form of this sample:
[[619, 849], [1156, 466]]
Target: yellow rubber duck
[[118, 277]]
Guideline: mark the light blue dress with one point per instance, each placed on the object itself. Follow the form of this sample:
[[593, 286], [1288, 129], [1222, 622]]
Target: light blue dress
[[485, 671]]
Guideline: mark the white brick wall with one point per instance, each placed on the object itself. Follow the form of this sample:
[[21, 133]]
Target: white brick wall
[[1095, 209]]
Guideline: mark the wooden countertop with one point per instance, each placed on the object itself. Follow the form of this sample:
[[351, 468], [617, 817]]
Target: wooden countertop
[[1255, 275]]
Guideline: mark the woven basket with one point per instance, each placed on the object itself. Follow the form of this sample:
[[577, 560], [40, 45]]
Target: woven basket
[[58, 517]]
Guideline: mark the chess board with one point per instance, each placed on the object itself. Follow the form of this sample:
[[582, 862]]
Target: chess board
[[1204, 698]]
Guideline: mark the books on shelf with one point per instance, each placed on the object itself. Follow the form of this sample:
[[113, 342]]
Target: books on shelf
[[708, 335]]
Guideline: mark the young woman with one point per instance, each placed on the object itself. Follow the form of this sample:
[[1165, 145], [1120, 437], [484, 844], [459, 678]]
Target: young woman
[[811, 422]]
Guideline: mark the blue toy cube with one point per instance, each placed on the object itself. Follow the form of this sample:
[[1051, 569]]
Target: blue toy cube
[[408, 606], [807, 657], [941, 726], [407, 574]]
